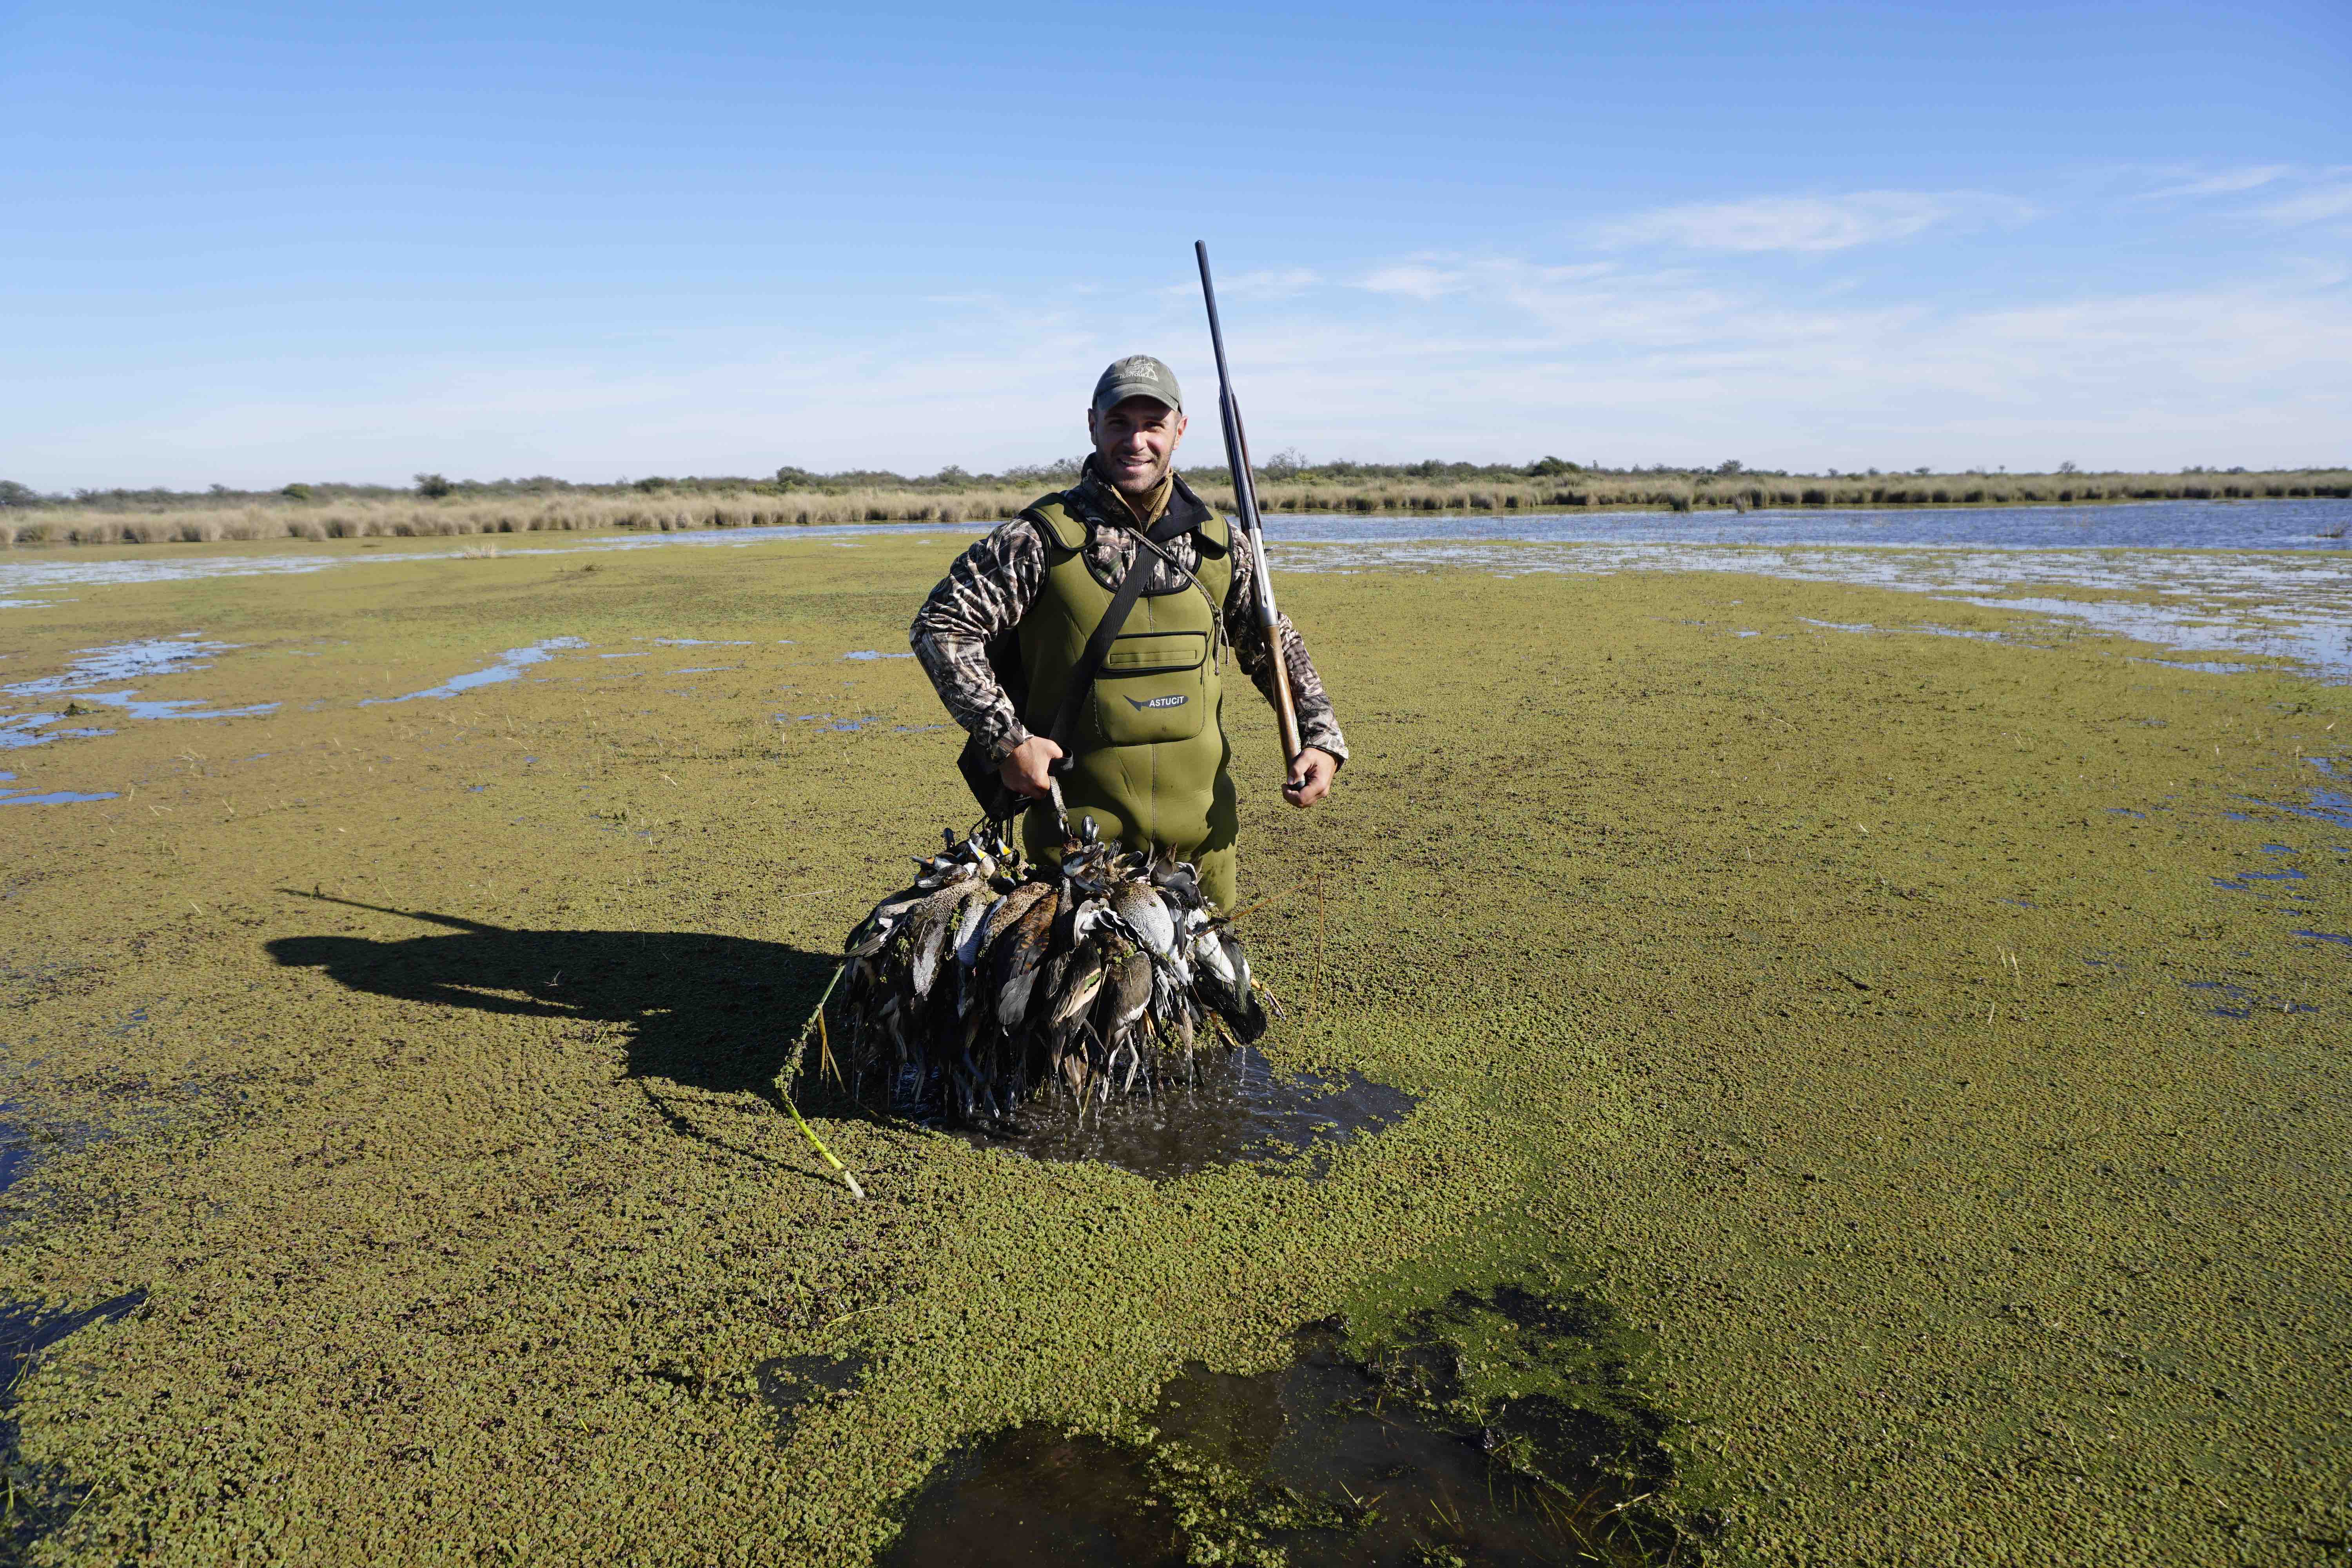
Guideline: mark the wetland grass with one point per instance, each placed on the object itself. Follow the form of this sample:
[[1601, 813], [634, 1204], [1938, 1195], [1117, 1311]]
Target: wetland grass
[[468, 1228]]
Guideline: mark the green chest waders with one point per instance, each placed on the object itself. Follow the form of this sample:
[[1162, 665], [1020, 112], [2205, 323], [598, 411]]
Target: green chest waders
[[1149, 742]]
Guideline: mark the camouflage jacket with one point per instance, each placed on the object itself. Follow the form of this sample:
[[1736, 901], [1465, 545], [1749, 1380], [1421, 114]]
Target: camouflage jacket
[[991, 585]]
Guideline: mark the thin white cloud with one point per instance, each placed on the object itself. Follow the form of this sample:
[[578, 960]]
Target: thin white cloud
[[1266, 283], [2226, 183], [2311, 207], [1433, 276], [1275, 283], [1416, 280], [1810, 224]]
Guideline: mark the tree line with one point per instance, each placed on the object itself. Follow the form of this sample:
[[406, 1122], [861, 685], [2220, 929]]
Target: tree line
[[1284, 467]]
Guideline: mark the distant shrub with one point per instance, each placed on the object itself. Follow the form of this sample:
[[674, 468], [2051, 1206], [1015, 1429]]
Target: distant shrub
[[297, 492], [1065, 472], [433, 487]]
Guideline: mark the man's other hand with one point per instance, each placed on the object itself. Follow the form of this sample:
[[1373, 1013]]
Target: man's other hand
[[1310, 778], [1023, 768]]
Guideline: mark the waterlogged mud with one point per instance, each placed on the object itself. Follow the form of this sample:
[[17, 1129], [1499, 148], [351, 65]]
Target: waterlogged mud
[[1844, 1004]]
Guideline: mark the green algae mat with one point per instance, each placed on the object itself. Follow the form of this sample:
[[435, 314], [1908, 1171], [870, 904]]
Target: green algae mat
[[1900, 1080]]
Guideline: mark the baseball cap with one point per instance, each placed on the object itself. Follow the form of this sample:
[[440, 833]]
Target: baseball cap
[[1137, 376]]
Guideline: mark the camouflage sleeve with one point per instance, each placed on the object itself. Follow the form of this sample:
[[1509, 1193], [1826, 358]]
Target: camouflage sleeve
[[1317, 725], [984, 595]]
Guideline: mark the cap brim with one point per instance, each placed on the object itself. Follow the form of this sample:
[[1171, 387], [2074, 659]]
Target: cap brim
[[1112, 396]]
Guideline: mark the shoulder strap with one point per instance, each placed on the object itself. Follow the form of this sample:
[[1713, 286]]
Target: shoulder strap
[[1106, 632], [1052, 515]]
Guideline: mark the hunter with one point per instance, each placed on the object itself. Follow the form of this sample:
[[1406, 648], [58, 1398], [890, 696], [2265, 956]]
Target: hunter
[[1001, 634]]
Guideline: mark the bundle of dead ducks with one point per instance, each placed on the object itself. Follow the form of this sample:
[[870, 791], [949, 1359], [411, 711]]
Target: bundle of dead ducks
[[987, 981]]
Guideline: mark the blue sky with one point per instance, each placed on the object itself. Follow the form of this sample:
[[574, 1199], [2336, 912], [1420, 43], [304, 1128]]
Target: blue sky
[[252, 243]]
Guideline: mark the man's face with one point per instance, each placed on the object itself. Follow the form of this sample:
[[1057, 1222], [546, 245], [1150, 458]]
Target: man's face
[[1135, 440]]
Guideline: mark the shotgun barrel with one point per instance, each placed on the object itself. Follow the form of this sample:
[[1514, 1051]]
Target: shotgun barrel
[[1229, 412]]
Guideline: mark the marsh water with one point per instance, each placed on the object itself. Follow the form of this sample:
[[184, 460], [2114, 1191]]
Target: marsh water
[[1234, 1109], [2241, 580]]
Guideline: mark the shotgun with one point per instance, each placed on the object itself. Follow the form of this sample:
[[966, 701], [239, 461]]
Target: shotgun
[[1245, 498]]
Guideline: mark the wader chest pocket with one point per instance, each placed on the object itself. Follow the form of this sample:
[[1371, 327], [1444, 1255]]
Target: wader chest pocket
[[1153, 687]]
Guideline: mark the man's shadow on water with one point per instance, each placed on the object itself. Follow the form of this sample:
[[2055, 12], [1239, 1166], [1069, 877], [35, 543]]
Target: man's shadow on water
[[711, 1013]]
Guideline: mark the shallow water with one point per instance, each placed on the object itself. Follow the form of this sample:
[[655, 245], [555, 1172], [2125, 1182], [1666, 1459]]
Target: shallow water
[[2287, 605], [509, 667], [2302, 887], [2266, 581], [2283, 524], [2263, 580], [1239, 1110], [104, 666], [137, 707], [57, 797], [1362, 1458]]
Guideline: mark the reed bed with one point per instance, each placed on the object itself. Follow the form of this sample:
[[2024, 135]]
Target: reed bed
[[417, 518], [420, 518]]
